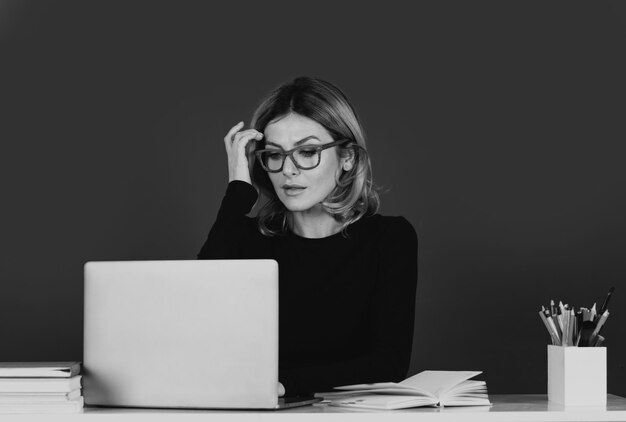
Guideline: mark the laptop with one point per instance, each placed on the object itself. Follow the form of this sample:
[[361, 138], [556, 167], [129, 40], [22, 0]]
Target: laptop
[[182, 334]]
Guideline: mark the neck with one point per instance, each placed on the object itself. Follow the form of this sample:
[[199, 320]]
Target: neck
[[313, 223]]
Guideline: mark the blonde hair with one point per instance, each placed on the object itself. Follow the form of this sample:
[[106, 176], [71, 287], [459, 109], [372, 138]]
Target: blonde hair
[[355, 195]]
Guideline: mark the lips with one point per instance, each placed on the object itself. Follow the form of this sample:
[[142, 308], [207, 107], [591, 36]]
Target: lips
[[292, 190]]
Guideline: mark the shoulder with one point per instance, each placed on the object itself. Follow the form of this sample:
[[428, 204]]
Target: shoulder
[[387, 228]]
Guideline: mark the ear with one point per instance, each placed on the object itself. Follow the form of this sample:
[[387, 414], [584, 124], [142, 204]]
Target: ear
[[347, 161]]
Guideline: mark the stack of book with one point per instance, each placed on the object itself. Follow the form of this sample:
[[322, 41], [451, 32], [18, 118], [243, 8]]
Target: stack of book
[[40, 387], [428, 388]]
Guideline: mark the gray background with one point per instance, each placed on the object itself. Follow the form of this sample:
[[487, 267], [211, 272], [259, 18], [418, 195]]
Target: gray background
[[497, 129]]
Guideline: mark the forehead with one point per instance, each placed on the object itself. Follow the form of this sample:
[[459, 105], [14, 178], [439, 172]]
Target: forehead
[[293, 127]]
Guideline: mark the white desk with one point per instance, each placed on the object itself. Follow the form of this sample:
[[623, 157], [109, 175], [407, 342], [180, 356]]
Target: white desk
[[508, 408]]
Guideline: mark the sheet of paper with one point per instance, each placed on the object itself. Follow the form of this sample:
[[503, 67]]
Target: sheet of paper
[[438, 382]]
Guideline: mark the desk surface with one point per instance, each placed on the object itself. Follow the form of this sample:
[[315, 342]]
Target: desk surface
[[518, 407]]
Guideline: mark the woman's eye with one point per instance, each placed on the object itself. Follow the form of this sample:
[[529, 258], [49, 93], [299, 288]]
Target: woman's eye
[[273, 156], [308, 152]]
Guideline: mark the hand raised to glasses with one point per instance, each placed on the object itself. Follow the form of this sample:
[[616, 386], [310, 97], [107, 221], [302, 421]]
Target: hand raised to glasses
[[236, 143]]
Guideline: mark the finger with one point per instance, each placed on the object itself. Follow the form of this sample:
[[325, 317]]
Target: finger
[[249, 132], [229, 136], [242, 139]]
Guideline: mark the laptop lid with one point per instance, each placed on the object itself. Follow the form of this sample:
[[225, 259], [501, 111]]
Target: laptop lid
[[189, 334]]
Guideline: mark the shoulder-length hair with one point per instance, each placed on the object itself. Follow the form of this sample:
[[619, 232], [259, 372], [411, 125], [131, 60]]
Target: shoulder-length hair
[[355, 195]]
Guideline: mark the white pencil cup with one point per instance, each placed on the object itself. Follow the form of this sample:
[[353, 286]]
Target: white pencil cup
[[577, 375]]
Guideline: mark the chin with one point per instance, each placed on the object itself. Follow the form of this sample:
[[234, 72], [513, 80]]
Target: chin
[[295, 205]]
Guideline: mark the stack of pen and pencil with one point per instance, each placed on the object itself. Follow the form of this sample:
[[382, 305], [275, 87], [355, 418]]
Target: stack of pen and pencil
[[575, 328]]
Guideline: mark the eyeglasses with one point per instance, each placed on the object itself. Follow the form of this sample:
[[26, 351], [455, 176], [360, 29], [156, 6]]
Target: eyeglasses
[[305, 157]]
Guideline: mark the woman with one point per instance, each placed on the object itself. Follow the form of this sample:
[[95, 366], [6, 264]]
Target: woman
[[347, 274]]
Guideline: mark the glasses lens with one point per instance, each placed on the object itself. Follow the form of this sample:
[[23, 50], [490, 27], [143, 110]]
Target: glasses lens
[[307, 157], [272, 160]]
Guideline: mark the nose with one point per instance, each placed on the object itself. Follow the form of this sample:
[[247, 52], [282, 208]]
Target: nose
[[289, 167]]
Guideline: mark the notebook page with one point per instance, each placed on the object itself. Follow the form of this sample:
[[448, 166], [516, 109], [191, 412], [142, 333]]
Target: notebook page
[[383, 402], [438, 382], [388, 391], [467, 386], [373, 386], [386, 386]]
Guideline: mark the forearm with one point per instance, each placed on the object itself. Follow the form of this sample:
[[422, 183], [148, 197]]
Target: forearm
[[222, 243], [231, 222]]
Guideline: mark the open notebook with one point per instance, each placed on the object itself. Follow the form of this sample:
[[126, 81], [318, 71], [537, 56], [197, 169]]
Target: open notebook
[[428, 388]]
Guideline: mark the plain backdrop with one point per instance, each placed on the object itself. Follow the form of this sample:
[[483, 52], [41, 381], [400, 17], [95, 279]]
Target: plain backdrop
[[496, 128]]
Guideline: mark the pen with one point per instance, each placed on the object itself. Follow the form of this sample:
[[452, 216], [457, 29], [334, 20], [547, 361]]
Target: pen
[[542, 315], [559, 316], [579, 324], [572, 331], [600, 323], [557, 333], [606, 301], [555, 323], [566, 328]]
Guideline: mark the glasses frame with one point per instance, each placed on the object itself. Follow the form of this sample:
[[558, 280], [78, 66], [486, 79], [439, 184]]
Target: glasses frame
[[285, 154]]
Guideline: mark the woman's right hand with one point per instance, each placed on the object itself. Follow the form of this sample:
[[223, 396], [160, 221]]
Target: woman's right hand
[[281, 389], [235, 143]]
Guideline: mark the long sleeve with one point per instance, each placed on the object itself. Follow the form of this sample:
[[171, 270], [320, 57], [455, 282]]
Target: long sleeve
[[392, 315], [231, 222]]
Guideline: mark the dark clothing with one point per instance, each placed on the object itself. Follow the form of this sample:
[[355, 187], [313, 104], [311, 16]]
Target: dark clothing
[[346, 304]]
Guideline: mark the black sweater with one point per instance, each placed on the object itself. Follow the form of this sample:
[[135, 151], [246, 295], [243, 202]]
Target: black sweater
[[346, 304]]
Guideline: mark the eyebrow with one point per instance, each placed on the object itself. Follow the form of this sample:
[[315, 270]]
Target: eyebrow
[[301, 141]]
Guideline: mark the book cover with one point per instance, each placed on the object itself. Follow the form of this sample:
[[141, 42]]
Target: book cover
[[13, 398], [39, 385], [39, 369], [70, 406]]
